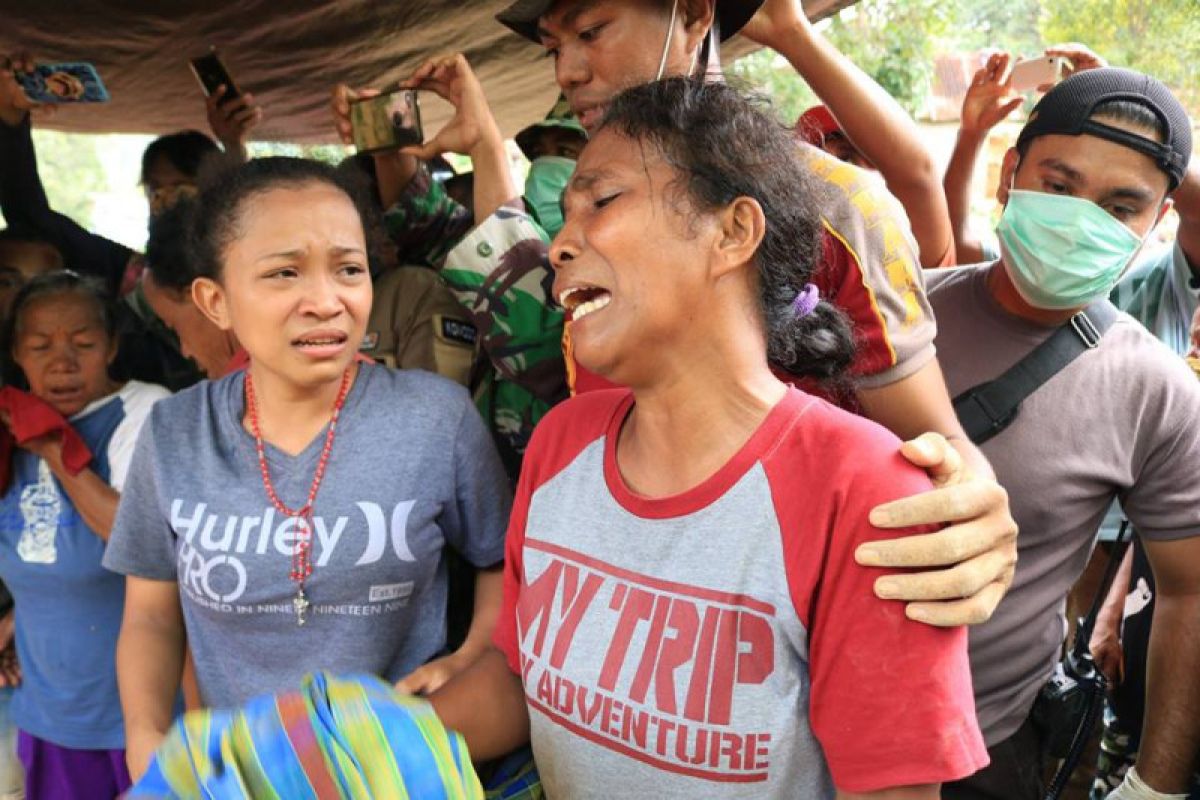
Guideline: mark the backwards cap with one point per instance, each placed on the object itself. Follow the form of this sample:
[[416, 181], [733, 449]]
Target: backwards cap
[[1067, 109], [522, 16]]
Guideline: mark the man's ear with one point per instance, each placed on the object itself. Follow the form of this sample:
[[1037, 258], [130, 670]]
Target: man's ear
[[742, 227], [209, 297], [698, 16], [1008, 169]]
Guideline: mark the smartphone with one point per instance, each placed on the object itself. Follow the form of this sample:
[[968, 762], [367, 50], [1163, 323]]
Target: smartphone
[[386, 122], [1028, 74], [75, 82], [211, 73]]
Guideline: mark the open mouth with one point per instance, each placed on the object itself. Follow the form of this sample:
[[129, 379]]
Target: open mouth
[[579, 301], [590, 116], [320, 341], [64, 398], [60, 393]]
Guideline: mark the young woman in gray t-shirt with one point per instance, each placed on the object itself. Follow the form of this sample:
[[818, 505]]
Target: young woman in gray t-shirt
[[291, 517]]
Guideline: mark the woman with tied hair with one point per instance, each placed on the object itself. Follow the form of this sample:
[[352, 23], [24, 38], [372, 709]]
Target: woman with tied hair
[[293, 516], [683, 615]]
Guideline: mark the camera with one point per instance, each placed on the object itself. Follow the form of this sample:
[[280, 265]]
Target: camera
[[1063, 703]]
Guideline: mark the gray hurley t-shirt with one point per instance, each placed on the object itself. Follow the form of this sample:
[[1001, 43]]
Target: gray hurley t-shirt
[[1119, 422], [412, 470]]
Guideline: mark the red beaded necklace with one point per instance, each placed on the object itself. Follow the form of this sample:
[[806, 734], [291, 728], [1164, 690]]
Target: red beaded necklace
[[302, 549]]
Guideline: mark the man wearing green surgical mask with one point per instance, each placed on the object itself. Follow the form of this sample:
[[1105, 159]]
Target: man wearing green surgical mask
[[1091, 175], [552, 147]]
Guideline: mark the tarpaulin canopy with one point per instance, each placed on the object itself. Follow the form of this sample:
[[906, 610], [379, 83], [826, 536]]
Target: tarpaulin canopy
[[288, 53]]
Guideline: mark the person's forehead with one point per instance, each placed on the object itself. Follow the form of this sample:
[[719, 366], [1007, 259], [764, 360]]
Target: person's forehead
[[68, 310], [1096, 161], [295, 218], [163, 173], [564, 13], [562, 136], [610, 154], [315, 199]]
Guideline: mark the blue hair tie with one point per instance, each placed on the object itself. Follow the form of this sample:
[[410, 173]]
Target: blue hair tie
[[806, 301]]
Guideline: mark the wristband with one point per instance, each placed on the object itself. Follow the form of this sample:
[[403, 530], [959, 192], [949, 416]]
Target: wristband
[[1134, 788]]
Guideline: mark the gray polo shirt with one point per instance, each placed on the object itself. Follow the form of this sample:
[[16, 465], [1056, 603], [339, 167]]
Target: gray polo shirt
[[1117, 423]]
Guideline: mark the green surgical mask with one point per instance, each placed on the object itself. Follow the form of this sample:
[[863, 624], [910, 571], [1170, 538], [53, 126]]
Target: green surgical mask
[[1062, 252], [548, 176]]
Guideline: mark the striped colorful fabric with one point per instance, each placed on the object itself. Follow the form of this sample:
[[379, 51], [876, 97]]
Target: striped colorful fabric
[[515, 778], [337, 737]]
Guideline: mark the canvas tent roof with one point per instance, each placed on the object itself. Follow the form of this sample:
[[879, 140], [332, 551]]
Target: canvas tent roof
[[288, 53]]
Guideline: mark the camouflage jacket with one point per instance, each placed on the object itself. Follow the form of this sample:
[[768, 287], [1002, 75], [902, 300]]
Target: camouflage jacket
[[500, 273]]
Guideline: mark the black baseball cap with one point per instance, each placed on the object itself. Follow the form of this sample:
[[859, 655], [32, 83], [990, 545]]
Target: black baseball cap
[[522, 16], [1067, 110]]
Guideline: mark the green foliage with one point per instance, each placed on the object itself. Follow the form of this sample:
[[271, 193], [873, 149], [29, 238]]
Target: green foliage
[[769, 73], [897, 41], [1010, 25], [329, 153], [893, 41], [1158, 37], [71, 171]]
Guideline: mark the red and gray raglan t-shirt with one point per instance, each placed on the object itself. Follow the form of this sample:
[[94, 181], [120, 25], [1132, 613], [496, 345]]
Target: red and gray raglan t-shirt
[[723, 642]]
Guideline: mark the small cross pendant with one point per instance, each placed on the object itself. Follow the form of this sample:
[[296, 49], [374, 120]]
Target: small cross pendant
[[301, 604]]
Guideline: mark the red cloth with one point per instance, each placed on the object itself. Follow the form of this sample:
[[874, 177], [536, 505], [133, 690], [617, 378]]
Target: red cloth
[[30, 418]]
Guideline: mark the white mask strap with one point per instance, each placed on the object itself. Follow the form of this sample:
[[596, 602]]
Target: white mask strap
[[662, 62]]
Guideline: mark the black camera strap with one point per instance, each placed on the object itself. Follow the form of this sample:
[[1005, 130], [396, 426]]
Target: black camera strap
[[1080, 662], [990, 407]]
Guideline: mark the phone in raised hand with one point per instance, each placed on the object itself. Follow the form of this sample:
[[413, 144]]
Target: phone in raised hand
[[1030, 73], [73, 82], [211, 72], [386, 122]]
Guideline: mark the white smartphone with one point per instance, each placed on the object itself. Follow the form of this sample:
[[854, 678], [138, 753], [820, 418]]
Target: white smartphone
[[1030, 73]]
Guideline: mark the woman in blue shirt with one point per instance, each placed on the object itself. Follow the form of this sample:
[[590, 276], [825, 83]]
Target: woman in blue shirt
[[54, 522]]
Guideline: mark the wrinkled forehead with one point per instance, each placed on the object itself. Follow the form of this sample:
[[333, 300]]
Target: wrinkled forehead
[[611, 157], [69, 309]]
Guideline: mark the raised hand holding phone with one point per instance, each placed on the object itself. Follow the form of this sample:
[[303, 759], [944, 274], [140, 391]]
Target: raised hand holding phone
[[990, 98], [1080, 57], [232, 114], [1040, 74], [232, 119], [472, 131], [212, 74], [74, 82], [387, 121], [451, 78]]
